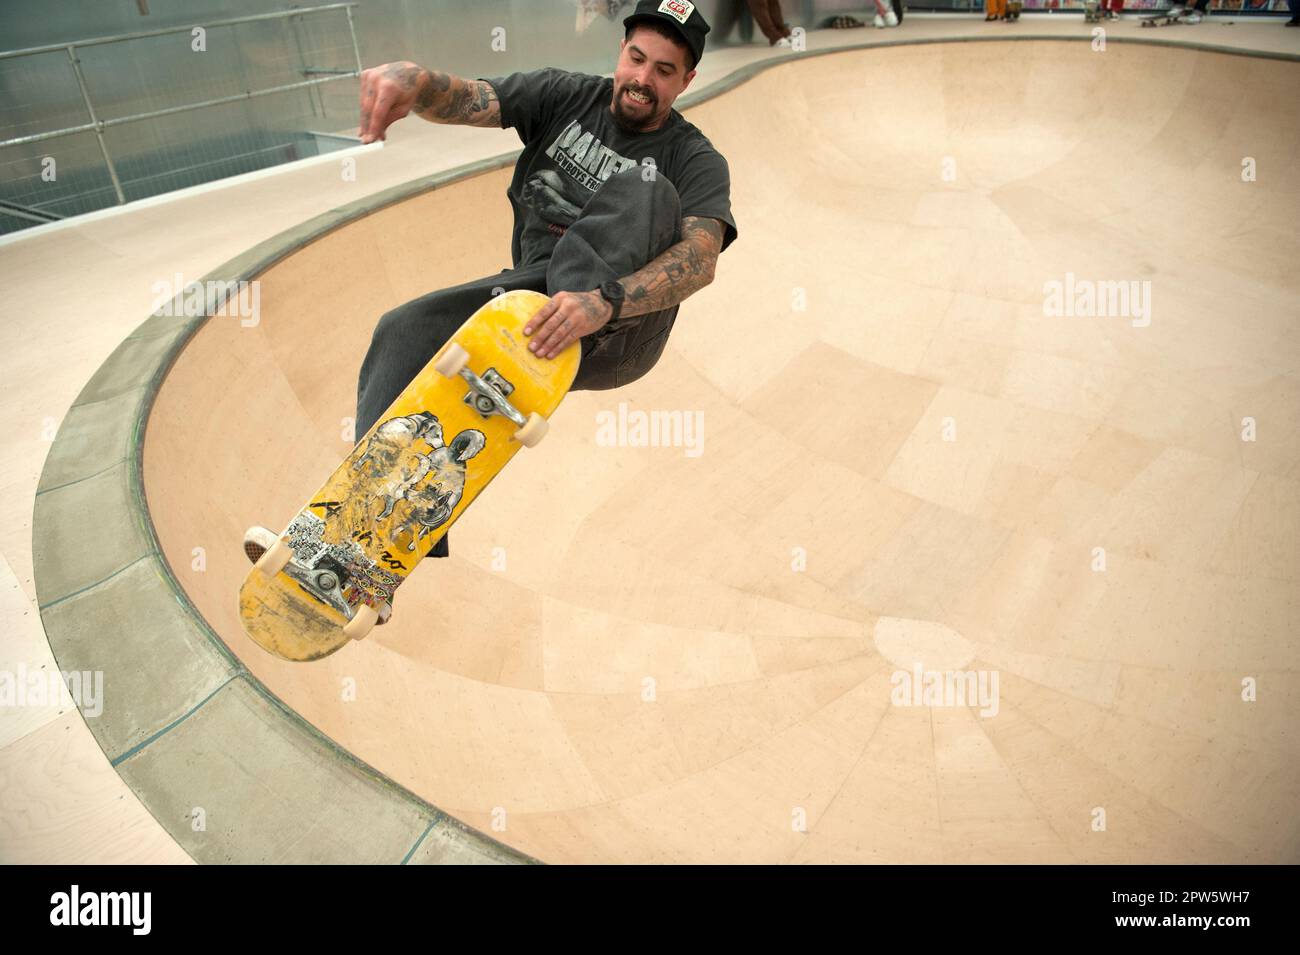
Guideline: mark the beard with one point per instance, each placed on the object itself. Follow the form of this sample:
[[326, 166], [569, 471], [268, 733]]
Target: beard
[[631, 119]]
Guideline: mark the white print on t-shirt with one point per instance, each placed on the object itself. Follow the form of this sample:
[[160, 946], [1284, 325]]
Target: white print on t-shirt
[[584, 158]]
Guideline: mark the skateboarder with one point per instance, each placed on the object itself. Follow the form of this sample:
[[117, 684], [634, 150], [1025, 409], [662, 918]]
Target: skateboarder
[[615, 243]]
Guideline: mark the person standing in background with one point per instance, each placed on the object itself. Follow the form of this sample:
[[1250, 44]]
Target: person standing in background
[[885, 15], [767, 14]]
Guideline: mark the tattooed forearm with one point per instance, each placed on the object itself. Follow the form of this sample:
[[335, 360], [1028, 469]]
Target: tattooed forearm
[[443, 98], [435, 85], [480, 106], [679, 273], [469, 103], [671, 278]]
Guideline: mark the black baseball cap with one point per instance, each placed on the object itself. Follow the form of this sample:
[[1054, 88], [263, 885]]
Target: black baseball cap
[[682, 15]]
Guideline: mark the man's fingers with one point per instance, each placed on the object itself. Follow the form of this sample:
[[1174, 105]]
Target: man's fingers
[[542, 337], [553, 335], [558, 347], [555, 345], [539, 319], [552, 329], [379, 119]]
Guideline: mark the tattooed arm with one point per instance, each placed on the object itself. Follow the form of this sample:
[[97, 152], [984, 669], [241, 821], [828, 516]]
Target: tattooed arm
[[681, 271], [393, 90]]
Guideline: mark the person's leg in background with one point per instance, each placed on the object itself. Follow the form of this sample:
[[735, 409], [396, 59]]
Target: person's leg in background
[[761, 11], [778, 18]]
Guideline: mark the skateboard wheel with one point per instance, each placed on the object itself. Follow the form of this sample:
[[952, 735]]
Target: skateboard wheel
[[362, 620], [451, 361], [533, 430], [274, 560]]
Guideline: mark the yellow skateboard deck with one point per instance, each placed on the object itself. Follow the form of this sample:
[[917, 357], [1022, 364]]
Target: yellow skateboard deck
[[406, 482]]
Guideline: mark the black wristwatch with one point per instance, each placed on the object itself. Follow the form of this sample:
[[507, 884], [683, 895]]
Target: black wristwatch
[[612, 292]]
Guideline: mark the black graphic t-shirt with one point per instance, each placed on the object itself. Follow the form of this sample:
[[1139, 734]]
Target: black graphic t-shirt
[[572, 146]]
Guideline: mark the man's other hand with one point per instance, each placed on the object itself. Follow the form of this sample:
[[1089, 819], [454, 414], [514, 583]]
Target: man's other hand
[[567, 317]]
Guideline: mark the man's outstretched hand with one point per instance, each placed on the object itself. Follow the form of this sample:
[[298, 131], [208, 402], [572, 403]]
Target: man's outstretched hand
[[388, 93], [564, 319]]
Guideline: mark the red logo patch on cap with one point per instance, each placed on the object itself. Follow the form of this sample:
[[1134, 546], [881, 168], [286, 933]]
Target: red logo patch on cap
[[679, 10]]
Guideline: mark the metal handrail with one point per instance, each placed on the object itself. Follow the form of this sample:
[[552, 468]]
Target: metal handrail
[[121, 120], [143, 34], [97, 125]]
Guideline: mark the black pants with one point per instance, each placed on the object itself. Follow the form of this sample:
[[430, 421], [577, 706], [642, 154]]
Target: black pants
[[630, 221]]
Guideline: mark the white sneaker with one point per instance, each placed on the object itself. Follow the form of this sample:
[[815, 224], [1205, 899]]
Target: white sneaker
[[878, 22], [891, 19], [1192, 18], [1176, 11]]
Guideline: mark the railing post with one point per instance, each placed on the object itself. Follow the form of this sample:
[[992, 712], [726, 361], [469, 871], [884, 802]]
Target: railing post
[[99, 128], [353, 30]]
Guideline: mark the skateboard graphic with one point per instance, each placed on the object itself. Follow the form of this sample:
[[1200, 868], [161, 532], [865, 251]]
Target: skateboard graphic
[[442, 440]]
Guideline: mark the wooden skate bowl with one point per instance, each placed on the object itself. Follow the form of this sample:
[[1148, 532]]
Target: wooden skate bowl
[[640, 653]]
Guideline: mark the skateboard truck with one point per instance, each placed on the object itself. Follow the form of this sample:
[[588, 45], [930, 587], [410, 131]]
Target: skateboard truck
[[322, 582], [488, 394], [318, 567]]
